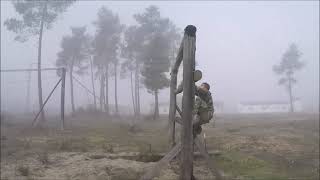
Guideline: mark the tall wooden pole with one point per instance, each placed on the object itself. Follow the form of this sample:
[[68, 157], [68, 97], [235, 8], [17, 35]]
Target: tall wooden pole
[[63, 83], [189, 47], [43, 16], [93, 88], [28, 91], [173, 99]]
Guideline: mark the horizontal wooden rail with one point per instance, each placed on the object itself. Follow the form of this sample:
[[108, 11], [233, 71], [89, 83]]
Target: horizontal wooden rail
[[26, 70]]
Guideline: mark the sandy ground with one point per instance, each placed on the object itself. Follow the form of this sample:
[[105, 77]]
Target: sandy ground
[[247, 147]]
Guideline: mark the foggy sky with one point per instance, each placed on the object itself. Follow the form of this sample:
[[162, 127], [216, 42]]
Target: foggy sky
[[237, 45]]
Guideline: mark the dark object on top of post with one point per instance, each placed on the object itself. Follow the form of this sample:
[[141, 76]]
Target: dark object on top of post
[[190, 30]]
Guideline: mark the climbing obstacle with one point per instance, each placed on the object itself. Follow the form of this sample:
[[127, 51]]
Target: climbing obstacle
[[185, 147]]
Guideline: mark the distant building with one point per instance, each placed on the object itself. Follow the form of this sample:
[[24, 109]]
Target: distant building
[[164, 106], [218, 106], [268, 107]]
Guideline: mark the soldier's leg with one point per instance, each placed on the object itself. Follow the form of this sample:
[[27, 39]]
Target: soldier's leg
[[205, 117], [196, 125], [201, 118]]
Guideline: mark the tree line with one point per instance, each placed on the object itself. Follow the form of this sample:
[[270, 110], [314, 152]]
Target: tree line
[[142, 52]]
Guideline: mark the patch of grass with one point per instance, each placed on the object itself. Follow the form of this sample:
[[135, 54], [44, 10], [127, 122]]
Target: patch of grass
[[97, 156], [247, 167], [149, 157], [69, 144], [96, 139], [108, 148], [121, 174], [233, 130]]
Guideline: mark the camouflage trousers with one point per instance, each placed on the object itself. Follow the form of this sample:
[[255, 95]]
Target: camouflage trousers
[[199, 119], [201, 115], [202, 110]]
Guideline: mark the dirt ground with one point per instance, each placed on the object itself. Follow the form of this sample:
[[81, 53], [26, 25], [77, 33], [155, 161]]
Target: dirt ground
[[270, 146]]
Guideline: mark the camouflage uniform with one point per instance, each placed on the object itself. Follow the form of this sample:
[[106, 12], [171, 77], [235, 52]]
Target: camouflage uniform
[[203, 108]]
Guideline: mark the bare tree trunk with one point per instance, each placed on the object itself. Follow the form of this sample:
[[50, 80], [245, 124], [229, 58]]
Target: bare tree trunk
[[42, 117], [156, 105], [28, 91], [93, 89], [71, 91], [136, 90], [137, 93], [106, 105], [115, 88], [290, 95], [102, 99], [132, 95]]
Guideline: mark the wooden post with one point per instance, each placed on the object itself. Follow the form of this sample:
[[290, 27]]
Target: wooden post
[[209, 161], [173, 99], [45, 102], [189, 47], [63, 77], [156, 169]]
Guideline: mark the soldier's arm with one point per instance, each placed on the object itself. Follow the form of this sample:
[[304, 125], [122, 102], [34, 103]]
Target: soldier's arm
[[197, 90], [210, 103], [180, 89]]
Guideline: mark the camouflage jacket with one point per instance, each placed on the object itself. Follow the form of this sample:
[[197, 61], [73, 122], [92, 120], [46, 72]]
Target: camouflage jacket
[[203, 100]]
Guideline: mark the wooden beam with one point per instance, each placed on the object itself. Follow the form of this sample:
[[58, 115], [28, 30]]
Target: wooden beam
[[26, 70], [87, 89], [156, 169], [63, 89], [173, 96], [45, 102], [189, 47], [179, 110]]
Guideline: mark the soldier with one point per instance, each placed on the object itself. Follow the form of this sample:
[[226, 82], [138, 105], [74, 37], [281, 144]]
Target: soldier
[[203, 107]]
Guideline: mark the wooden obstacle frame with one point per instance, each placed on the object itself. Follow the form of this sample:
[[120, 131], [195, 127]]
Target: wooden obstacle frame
[[62, 72], [185, 147]]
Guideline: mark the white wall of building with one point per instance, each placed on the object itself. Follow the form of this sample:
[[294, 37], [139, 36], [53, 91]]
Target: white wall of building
[[268, 107]]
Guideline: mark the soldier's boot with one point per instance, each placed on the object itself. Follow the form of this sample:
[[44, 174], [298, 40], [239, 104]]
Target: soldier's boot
[[197, 130], [193, 178]]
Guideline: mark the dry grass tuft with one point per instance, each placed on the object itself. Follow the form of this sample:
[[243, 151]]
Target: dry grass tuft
[[43, 157], [23, 170]]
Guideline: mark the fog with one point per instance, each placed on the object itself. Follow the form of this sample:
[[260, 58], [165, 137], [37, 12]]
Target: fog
[[237, 45]]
